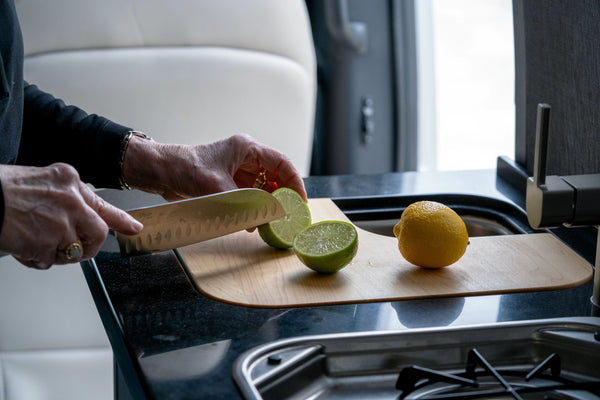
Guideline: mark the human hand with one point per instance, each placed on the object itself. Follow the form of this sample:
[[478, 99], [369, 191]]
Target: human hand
[[179, 171], [49, 208]]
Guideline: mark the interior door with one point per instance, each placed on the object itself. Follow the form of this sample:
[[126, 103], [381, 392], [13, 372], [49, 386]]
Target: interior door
[[366, 106]]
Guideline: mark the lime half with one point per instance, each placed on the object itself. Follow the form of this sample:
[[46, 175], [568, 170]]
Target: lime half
[[327, 246], [281, 232]]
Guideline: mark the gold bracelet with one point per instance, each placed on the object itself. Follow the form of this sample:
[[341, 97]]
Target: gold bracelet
[[124, 145]]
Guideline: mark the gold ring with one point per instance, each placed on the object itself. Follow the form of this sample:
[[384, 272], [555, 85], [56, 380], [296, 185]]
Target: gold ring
[[73, 251]]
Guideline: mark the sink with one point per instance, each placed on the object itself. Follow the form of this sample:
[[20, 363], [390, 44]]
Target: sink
[[483, 216], [476, 226]]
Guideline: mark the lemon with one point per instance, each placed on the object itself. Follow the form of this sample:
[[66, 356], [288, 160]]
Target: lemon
[[431, 234], [327, 246], [281, 232]]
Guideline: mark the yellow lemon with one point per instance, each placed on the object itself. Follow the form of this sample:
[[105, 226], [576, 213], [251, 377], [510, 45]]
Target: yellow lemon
[[431, 234]]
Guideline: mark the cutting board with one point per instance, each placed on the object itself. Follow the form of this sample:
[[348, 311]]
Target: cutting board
[[241, 269]]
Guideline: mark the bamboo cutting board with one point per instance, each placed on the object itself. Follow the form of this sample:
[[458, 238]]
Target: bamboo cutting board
[[241, 269]]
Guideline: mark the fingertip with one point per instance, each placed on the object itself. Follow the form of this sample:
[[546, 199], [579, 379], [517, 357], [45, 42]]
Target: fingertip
[[127, 225], [302, 192], [135, 226], [299, 187]]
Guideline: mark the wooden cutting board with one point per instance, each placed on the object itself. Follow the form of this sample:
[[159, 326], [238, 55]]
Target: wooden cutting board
[[241, 269]]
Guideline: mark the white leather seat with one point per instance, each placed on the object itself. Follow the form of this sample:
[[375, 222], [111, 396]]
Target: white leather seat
[[183, 71], [52, 342]]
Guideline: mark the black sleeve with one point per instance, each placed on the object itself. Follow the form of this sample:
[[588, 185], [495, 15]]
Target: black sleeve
[[54, 132], [1, 207]]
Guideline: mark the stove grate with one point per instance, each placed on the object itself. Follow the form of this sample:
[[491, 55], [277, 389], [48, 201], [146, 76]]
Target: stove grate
[[506, 383]]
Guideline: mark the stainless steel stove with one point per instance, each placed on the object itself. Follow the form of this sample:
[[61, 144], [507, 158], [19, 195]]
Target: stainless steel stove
[[540, 359]]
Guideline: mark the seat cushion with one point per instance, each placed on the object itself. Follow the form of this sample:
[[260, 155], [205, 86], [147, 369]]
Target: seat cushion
[[43, 310]]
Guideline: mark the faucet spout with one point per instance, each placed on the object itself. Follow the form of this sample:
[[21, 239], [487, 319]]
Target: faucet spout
[[572, 200]]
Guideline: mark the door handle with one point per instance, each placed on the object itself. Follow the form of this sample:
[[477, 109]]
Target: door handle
[[351, 34]]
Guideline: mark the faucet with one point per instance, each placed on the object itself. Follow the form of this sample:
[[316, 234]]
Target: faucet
[[572, 200]]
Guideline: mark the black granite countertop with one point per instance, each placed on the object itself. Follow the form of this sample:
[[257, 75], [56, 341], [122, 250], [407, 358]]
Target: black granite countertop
[[171, 342]]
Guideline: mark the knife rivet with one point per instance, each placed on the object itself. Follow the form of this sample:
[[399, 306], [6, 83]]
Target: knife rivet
[[274, 359], [597, 336]]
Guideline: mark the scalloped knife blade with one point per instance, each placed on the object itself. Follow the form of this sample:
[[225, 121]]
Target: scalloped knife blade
[[181, 223]]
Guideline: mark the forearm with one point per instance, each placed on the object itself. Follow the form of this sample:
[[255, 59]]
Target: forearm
[[55, 132]]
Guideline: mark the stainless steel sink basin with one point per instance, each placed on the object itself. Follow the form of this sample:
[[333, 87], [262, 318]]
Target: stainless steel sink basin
[[483, 216], [380, 365]]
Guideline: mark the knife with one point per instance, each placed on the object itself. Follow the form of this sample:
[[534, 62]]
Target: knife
[[181, 223]]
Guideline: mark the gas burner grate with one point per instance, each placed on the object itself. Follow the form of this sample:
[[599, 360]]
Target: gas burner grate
[[544, 381]]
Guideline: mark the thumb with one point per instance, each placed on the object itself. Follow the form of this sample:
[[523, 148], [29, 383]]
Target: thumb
[[114, 217]]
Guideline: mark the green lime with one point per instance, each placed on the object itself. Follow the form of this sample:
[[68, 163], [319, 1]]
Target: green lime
[[327, 246], [281, 232]]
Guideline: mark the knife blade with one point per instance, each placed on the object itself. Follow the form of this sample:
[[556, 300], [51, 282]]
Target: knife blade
[[181, 223]]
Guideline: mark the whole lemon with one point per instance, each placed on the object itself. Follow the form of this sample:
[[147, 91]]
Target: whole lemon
[[431, 234]]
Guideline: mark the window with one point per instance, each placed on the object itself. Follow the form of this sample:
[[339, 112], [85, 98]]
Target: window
[[466, 83]]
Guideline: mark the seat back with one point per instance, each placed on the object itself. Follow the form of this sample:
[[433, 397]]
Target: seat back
[[182, 71]]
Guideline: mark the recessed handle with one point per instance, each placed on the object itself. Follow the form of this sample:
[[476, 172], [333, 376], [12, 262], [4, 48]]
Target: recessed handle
[[352, 34], [541, 144]]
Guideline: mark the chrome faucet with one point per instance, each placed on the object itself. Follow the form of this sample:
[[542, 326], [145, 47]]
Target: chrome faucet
[[572, 200]]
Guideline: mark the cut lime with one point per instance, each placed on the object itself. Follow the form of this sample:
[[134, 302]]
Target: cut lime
[[281, 232], [327, 246]]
